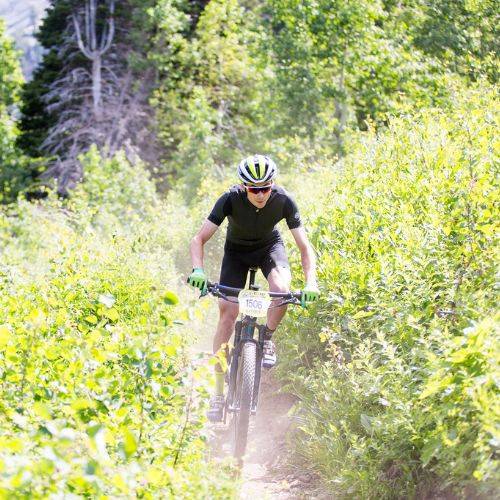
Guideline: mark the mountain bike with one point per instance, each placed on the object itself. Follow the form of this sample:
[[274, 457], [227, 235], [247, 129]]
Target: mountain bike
[[245, 357]]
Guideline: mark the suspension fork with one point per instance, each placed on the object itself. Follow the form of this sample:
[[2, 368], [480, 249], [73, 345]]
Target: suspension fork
[[244, 332], [258, 368]]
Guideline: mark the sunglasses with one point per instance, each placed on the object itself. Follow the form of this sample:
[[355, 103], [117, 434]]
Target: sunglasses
[[259, 189]]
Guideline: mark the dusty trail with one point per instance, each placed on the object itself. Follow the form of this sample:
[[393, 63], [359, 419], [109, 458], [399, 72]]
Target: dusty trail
[[267, 471]]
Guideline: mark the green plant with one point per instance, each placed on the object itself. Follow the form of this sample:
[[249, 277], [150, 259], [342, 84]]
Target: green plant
[[397, 363]]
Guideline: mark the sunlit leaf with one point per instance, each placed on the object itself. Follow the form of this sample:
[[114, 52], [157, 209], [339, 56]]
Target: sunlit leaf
[[170, 298], [129, 443], [107, 299]]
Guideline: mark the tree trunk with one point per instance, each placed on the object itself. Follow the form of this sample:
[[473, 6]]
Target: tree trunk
[[341, 107], [96, 85]]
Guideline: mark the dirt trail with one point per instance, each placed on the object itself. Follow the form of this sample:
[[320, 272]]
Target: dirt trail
[[267, 472]]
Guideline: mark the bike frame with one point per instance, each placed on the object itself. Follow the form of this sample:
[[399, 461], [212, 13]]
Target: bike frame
[[245, 332], [244, 335]]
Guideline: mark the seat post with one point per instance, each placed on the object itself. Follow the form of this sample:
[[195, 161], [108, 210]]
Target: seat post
[[251, 284]]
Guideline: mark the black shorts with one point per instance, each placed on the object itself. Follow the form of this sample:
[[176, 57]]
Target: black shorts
[[236, 263]]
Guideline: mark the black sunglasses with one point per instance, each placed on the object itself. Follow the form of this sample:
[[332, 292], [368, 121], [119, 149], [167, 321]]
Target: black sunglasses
[[259, 189]]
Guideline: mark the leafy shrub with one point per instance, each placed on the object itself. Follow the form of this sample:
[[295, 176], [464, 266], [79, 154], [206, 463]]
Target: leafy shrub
[[98, 399], [397, 365]]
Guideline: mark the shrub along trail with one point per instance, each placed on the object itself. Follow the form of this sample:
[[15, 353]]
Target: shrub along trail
[[96, 398], [397, 366]]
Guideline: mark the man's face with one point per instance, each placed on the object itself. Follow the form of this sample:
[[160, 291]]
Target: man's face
[[259, 197]]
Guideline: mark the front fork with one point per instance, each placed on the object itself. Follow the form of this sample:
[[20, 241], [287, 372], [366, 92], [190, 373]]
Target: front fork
[[244, 332]]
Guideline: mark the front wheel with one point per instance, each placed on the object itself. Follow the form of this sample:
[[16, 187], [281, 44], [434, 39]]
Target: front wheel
[[244, 393]]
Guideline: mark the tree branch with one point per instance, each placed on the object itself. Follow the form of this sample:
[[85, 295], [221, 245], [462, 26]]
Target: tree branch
[[79, 40]]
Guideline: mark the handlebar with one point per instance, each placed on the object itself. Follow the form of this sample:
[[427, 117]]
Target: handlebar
[[224, 292], [235, 291]]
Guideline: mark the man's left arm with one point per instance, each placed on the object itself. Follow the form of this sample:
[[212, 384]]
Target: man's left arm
[[307, 257]]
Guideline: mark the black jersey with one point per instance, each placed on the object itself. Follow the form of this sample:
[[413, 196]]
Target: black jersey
[[251, 227]]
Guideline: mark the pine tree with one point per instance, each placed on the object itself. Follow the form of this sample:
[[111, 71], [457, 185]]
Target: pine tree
[[92, 87], [10, 84], [36, 120]]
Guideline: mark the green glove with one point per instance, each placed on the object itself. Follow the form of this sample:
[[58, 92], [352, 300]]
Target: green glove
[[309, 294], [198, 279]]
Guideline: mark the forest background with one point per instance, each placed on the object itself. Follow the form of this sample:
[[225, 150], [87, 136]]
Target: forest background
[[382, 117]]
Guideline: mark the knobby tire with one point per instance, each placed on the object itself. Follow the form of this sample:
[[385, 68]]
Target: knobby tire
[[245, 387]]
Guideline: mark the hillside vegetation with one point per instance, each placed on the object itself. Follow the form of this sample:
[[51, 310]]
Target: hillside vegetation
[[397, 367], [99, 398], [382, 117]]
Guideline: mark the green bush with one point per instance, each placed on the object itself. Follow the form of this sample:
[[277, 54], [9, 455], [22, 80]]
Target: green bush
[[396, 366], [98, 397], [11, 80]]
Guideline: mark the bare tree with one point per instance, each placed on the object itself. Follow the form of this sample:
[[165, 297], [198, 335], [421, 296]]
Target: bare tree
[[94, 48], [103, 103]]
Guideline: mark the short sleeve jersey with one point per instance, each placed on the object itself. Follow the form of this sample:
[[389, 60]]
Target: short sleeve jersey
[[251, 227]]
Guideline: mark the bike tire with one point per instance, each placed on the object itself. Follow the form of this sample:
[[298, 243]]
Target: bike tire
[[245, 389]]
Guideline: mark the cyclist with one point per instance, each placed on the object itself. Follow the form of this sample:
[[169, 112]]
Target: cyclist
[[253, 209]]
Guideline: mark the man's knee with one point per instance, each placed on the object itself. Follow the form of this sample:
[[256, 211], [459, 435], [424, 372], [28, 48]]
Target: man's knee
[[228, 312], [280, 279]]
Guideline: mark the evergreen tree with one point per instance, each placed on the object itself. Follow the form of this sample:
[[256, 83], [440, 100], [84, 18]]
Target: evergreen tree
[[86, 93], [36, 120], [10, 84]]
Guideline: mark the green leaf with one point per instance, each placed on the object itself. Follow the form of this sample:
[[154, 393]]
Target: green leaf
[[129, 443], [170, 350], [5, 335], [170, 298], [430, 450], [363, 314], [435, 385], [112, 314], [91, 318], [41, 409], [366, 422]]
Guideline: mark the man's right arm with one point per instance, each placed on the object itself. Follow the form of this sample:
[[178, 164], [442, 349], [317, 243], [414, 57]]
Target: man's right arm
[[206, 231]]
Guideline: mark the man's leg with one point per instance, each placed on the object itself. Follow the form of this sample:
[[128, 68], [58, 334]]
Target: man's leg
[[279, 281], [228, 313]]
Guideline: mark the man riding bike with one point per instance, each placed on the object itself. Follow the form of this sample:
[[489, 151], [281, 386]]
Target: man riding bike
[[253, 209]]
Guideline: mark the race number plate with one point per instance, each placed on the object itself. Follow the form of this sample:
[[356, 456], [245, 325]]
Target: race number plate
[[254, 303]]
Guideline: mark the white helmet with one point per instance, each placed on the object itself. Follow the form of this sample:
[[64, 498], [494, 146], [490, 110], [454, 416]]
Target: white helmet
[[257, 169]]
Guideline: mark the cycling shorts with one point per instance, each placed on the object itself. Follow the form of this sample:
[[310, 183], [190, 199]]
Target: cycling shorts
[[236, 263]]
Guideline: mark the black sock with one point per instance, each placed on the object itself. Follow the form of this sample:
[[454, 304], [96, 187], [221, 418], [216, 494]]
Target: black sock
[[268, 333]]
